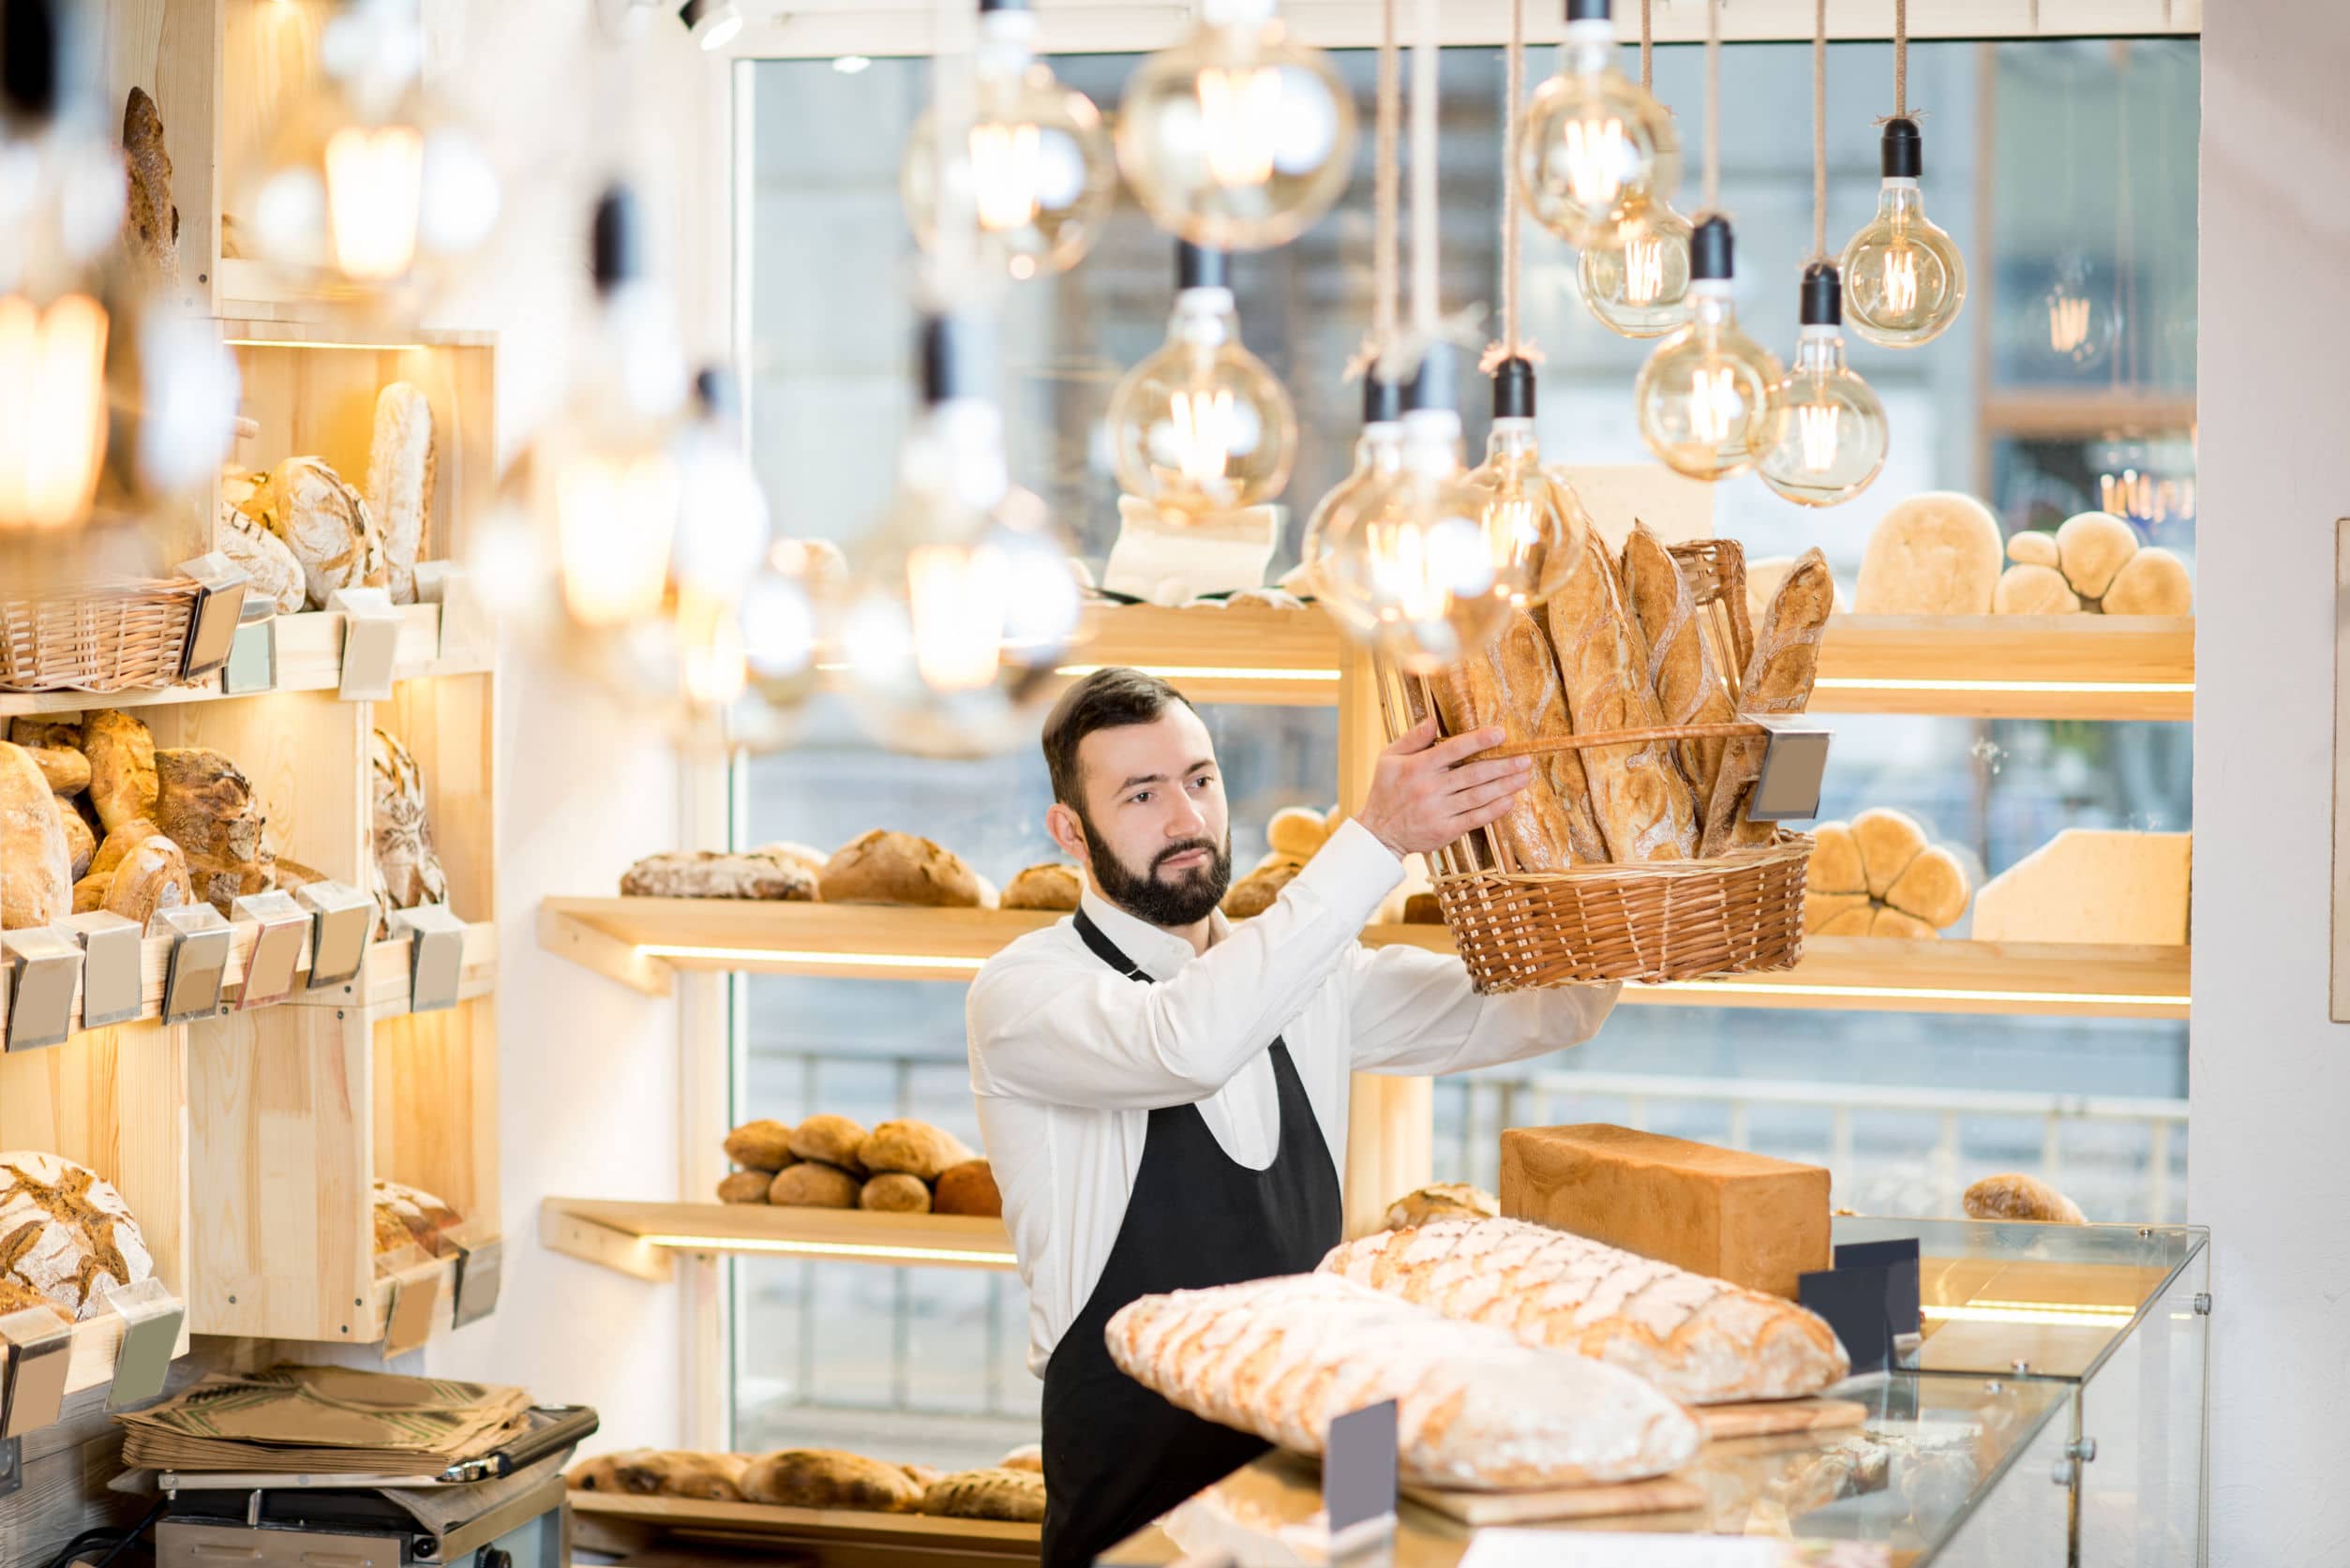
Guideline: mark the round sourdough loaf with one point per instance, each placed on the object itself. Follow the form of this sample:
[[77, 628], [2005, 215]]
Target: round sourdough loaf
[[15, 1298], [968, 1189], [423, 1216], [1937, 553], [66, 1232], [883, 867]]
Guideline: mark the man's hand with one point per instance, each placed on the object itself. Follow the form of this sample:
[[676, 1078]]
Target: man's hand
[[1424, 794]]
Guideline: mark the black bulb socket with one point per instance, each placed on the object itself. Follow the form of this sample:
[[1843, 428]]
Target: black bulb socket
[[1382, 400], [987, 5], [32, 58], [954, 352], [716, 393], [617, 247], [1514, 388], [1903, 150], [1198, 267], [1709, 251], [1591, 11], [1431, 384], [1824, 295]]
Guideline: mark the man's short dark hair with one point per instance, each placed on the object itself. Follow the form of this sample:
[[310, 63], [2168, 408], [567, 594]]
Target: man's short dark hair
[[1106, 699]]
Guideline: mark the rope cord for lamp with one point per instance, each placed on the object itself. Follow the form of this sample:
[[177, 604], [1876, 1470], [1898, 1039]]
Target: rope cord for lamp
[[1819, 130], [1901, 59], [1648, 49], [1712, 104], [1425, 326], [1514, 66], [1385, 179]]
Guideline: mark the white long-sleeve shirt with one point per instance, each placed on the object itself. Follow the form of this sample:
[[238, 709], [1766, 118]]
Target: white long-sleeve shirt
[[1068, 1057]]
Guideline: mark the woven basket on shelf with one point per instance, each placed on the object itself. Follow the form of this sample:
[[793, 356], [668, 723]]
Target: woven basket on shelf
[[1653, 920], [87, 638]]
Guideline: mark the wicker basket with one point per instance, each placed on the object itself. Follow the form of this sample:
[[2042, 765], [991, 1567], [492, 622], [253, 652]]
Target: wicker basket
[[1661, 920], [111, 638]]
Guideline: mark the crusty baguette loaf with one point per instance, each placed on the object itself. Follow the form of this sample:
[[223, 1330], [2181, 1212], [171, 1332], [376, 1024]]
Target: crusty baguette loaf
[[1777, 679], [1642, 801], [1702, 1340], [1515, 686], [399, 484], [2016, 1196], [151, 224], [1281, 1357], [1689, 686], [828, 1478], [1014, 1495]]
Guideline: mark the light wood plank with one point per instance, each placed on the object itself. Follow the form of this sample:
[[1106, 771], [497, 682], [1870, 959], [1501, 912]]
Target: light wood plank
[[450, 725], [382, 985], [436, 1105], [849, 1235], [2080, 667], [911, 1531], [1662, 1494], [576, 1236]]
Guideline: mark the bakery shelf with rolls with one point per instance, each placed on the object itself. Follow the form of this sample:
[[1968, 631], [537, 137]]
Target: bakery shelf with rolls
[[643, 1238]]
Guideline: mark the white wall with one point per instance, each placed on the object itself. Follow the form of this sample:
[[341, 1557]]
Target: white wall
[[2271, 1169]]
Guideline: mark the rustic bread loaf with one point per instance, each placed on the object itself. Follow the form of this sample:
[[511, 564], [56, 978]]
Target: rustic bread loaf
[[1933, 554], [801, 856], [2016, 1196], [1688, 686], [15, 1298], [814, 1185], [1515, 686], [122, 767], [1014, 1495], [67, 771], [883, 867], [399, 484], [681, 1472], [35, 857], [828, 1478], [1442, 1201], [327, 526], [152, 876], [1777, 679], [2091, 547], [764, 1144], [1050, 885], [421, 1214], [1698, 1339], [1932, 887], [66, 1232], [117, 846], [208, 807], [1281, 1357], [1256, 893], [2029, 589], [895, 1192], [1296, 832], [403, 836], [914, 1147], [2151, 582], [1029, 1456], [151, 224], [707, 874], [834, 1140], [57, 733], [241, 536], [745, 1187], [2033, 547], [81, 843], [968, 1189]]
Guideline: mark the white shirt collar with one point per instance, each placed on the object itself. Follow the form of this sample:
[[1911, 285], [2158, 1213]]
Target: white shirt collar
[[1157, 952]]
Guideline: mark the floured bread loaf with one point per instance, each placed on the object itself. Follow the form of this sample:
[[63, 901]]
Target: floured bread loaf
[[1515, 686], [1689, 688], [1638, 795], [2029, 589], [1933, 554], [2091, 547], [2151, 582], [800, 856], [244, 538], [1442, 1201], [828, 1478], [1014, 1495], [1777, 679], [1698, 1339], [326, 525], [15, 1298], [403, 836], [1051, 886], [419, 1214], [208, 807], [2016, 1196], [35, 857], [707, 874], [153, 874], [66, 1232], [883, 867], [1475, 1409], [399, 484]]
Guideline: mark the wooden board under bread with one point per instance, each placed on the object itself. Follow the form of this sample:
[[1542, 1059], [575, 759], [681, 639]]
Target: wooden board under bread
[[1663, 1494], [1765, 1418], [621, 1514]]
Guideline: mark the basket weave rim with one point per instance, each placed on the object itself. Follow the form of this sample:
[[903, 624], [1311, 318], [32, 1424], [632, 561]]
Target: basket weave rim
[[1792, 846]]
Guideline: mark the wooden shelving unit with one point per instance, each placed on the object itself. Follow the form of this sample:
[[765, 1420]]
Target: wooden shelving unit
[[642, 1238], [636, 1526]]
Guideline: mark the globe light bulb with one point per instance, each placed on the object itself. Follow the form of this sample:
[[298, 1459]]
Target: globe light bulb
[[1202, 425], [1531, 511], [1037, 175], [1594, 146], [370, 187], [960, 604], [1378, 454], [2080, 324], [1639, 287], [1830, 426], [1238, 138], [1703, 398], [1904, 278], [1411, 565]]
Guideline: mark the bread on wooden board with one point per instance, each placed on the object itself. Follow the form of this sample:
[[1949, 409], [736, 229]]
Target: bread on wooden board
[[1887, 840], [1823, 910], [151, 224], [122, 767], [1515, 686], [1281, 1357], [66, 1232], [968, 1189], [327, 526], [1442, 1201], [895, 1192], [1777, 679], [2016, 1196], [1698, 1339], [1054, 885], [1296, 832], [241, 536], [1255, 894], [914, 1147], [884, 867], [399, 484], [1028, 1456], [35, 857], [709, 873], [810, 1184], [764, 1144], [1931, 889], [404, 850], [2029, 589], [828, 1478], [1937, 553], [81, 843], [1688, 686], [1638, 798], [153, 875], [67, 771], [2091, 546], [745, 1186], [2151, 582], [2033, 547], [834, 1140], [1014, 1495]]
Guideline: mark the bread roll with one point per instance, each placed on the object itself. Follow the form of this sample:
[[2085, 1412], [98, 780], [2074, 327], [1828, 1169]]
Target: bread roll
[[1934, 553], [1835, 862], [47, 730], [883, 867], [153, 875], [828, 1478], [36, 858], [69, 1233], [1889, 922], [1255, 894], [1295, 831], [708, 1477], [117, 846], [2033, 590], [1887, 840], [2151, 582], [1028, 1456], [241, 536], [1688, 685], [707, 874], [1014, 1495], [921, 1475], [1822, 910], [814, 1185], [327, 526], [917, 1148], [1778, 679], [1853, 919], [895, 1192], [81, 843], [834, 1140], [764, 1144], [151, 224], [1933, 888], [1515, 686], [968, 1189], [2033, 547], [2016, 1196], [399, 484], [122, 767], [745, 1186], [2091, 547], [1422, 909], [1442, 1201], [67, 771], [1050, 885]]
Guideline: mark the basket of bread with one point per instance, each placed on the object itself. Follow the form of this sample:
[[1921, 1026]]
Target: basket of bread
[[1637, 684]]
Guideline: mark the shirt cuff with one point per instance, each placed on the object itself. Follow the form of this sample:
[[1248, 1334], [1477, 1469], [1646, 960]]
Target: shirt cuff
[[1353, 871]]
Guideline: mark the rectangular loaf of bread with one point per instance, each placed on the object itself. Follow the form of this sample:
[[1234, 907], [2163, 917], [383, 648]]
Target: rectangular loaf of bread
[[1705, 1342], [1777, 679], [1515, 686], [1474, 1408]]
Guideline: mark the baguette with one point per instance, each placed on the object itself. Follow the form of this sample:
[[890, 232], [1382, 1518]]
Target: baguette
[[1642, 803], [1778, 679], [399, 484], [1550, 827], [1681, 667]]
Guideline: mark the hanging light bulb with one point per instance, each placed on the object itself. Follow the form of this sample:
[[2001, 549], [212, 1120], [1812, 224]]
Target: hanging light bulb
[[1202, 425], [1904, 278], [1703, 398], [1038, 174], [1640, 287], [2077, 324], [1378, 453], [1409, 565], [370, 187], [1238, 138], [1531, 514], [1596, 146], [1830, 426], [961, 603]]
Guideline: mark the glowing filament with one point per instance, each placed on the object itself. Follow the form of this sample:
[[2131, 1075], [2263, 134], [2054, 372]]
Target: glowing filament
[[1004, 175], [713, 665], [1713, 403], [1204, 432], [1239, 114], [1418, 572], [1595, 161], [2068, 323], [1644, 271], [1815, 428], [957, 598], [1901, 279], [615, 516], [374, 182], [52, 409]]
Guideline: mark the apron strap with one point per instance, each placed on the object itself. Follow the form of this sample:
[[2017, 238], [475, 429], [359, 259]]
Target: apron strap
[[1105, 949]]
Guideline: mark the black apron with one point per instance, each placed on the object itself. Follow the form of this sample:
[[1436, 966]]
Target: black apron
[[1117, 1455]]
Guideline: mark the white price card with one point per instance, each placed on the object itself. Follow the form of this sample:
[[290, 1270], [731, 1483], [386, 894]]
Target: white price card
[[1551, 1548]]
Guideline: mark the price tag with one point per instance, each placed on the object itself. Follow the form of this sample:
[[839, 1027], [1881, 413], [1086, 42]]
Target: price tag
[[1358, 1477], [415, 1306], [1794, 759], [371, 635], [212, 624], [252, 664], [113, 983], [44, 965], [33, 1383], [466, 629], [277, 947], [1852, 1300], [342, 919], [436, 954], [151, 1331], [1900, 1260], [480, 1263], [199, 959]]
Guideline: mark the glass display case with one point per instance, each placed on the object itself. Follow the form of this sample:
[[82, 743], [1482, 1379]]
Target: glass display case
[[2051, 1412]]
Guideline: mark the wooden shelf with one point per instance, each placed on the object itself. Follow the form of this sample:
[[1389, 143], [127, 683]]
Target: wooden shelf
[[639, 1238], [382, 985], [614, 1521], [1245, 653], [638, 942]]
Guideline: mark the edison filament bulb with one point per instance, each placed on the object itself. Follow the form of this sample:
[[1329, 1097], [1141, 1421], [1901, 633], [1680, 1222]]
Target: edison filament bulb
[[1202, 425], [1532, 516], [1829, 425], [1703, 398], [1239, 138], [1036, 174], [1640, 288], [1594, 146], [1904, 278], [2079, 322], [1378, 453]]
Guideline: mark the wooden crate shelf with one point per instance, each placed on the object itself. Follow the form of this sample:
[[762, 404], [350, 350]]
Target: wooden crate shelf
[[639, 1238]]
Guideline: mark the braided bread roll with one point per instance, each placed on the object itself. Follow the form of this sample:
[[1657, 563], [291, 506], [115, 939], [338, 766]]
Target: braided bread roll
[[1702, 1340], [1475, 1409]]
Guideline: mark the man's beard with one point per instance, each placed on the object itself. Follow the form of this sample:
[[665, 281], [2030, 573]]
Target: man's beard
[[1183, 902]]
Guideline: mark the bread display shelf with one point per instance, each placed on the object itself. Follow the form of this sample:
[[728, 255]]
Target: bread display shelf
[[1248, 654], [382, 985], [618, 1522], [637, 1238], [640, 942]]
